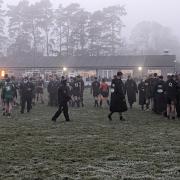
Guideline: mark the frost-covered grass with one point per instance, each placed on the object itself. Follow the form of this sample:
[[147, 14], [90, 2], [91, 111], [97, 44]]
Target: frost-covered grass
[[146, 146]]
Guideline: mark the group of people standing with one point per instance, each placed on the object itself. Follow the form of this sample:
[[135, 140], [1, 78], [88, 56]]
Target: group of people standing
[[30, 90], [162, 97], [156, 94], [76, 90]]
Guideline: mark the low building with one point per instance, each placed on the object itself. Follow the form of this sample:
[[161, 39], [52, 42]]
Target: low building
[[93, 66]]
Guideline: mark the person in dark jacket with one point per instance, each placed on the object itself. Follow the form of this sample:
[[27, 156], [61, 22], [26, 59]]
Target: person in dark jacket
[[153, 82], [142, 94], [26, 93], [118, 101], [178, 96], [159, 96], [95, 91], [82, 87], [131, 90], [63, 98], [171, 94], [148, 92]]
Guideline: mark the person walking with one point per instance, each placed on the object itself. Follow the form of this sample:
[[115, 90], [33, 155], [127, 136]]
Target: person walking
[[118, 100], [63, 98]]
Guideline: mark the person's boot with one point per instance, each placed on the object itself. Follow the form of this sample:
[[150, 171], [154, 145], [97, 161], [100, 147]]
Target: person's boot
[[110, 117], [53, 119], [95, 104], [142, 108], [78, 104], [122, 118], [9, 115], [72, 104], [101, 103]]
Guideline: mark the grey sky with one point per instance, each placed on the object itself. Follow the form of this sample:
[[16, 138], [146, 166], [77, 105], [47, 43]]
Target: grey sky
[[165, 12]]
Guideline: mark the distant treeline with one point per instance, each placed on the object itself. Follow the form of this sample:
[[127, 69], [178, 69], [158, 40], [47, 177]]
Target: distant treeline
[[39, 29]]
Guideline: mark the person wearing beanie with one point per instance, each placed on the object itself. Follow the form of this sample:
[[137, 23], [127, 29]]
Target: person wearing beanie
[[118, 100]]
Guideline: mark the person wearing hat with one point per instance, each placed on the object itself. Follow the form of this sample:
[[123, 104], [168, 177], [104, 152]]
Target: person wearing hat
[[159, 96], [118, 100], [63, 99]]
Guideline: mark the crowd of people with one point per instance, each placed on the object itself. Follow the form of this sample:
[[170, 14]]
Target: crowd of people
[[156, 94]]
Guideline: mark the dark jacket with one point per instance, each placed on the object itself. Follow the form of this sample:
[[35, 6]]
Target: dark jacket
[[26, 89], [95, 88], [159, 97], [171, 88], [63, 94], [118, 101], [142, 93], [131, 90]]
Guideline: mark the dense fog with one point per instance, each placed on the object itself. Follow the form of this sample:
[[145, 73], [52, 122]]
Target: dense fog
[[88, 27]]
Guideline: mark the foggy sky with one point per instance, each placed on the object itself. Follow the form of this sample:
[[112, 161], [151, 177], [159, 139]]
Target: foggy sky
[[165, 12]]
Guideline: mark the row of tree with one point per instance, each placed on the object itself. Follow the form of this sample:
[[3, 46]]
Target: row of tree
[[38, 29]]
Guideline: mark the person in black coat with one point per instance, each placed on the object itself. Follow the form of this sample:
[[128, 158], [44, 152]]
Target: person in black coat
[[118, 101], [63, 98], [82, 87], [26, 93], [171, 88], [148, 91], [142, 94], [178, 96], [131, 90], [159, 96], [153, 82]]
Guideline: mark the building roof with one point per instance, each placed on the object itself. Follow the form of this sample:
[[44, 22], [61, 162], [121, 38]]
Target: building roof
[[89, 62]]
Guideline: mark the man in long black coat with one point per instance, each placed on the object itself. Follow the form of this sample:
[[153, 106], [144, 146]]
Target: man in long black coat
[[131, 90], [148, 92], [142, 94], [178, 96], [159, 96], [118, 101], [171, 87], [63, 98], [26, 93]]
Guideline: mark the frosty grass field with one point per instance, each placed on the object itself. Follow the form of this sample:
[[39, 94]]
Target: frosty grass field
[[145, 147]]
